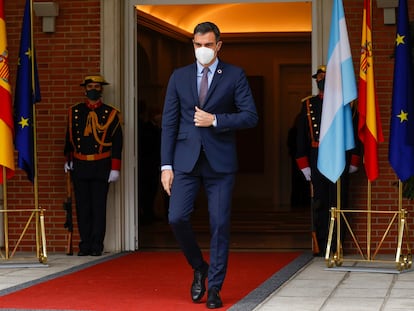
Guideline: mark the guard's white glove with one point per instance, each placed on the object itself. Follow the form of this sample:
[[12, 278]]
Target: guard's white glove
[[352, 169], [113, 176], [307, 173], [68, 166]]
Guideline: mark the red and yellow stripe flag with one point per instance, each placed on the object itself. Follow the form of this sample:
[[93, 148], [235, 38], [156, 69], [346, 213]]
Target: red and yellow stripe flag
[[6, 116], [369, 123]]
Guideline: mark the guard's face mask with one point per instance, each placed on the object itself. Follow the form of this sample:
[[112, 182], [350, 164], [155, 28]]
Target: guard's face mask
[[93, 94], [321, 84]]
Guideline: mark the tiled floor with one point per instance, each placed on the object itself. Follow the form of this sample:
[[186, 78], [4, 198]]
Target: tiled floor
[[366, 286]]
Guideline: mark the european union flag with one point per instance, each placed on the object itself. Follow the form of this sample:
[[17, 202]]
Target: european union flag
[[27, 93], [401, 152]]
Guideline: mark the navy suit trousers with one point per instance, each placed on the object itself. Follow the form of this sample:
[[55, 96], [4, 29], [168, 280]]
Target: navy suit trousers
[[219, 188]]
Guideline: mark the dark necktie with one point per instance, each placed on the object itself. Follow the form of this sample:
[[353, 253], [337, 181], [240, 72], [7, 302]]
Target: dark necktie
[[203, 87]]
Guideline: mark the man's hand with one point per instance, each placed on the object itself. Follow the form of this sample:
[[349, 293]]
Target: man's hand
[[113, 176], [68, 166], [202, 118], [352, 169], [307, 173], [167, 177]]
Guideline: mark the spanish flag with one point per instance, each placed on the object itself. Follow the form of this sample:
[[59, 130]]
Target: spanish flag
[[369, 123], [6, 117]]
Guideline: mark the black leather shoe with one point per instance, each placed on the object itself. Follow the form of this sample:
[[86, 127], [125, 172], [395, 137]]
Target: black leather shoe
[[198, 287], [213, 299], [83, 253]]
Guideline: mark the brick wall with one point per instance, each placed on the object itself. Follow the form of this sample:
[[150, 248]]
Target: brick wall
[[64, 58]]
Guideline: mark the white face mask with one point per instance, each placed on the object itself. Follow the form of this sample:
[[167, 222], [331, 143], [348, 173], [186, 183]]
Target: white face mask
[[204, 55]]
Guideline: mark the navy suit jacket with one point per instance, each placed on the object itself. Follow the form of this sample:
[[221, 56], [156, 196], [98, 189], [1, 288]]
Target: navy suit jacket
[[229, 97]]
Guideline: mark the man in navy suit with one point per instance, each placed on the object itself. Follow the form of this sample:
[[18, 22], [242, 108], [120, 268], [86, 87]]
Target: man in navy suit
[[198, 147]]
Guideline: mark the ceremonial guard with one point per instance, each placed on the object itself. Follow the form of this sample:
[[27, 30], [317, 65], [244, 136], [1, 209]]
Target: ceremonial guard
[[324, 191], [93, 150]]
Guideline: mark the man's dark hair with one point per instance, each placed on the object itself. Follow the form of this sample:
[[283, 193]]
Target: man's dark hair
[[206, 27]]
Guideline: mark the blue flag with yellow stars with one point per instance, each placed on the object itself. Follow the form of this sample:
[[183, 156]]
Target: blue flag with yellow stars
[[401, 152], [27, 93]]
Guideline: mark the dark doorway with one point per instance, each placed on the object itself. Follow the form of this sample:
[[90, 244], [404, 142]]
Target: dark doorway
[[278, 67]]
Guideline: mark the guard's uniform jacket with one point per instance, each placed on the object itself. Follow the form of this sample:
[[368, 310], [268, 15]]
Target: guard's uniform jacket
[[308, 129], [94, 144], [94, 134], [307, 156]]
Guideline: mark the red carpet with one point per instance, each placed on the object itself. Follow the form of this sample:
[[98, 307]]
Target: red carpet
[[145, 281]]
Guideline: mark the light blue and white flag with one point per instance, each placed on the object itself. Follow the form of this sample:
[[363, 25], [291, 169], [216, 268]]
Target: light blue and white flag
[[337, 133]]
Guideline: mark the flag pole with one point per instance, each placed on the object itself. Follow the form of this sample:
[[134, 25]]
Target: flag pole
[[338, 219], [5, 216], [400, 229], [369, 221], [35, 180]]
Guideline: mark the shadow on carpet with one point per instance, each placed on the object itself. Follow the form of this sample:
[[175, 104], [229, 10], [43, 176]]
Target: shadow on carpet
[[154, 281]]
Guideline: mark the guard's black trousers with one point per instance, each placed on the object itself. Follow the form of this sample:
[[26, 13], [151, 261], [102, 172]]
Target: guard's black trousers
[[91, 196]]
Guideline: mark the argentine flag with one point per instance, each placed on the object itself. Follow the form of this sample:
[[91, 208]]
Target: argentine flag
[[337, 133]]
